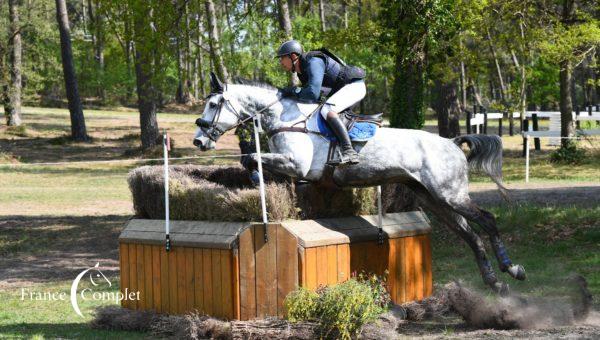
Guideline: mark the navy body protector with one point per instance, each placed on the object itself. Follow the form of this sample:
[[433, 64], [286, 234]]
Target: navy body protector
[[337, 73]]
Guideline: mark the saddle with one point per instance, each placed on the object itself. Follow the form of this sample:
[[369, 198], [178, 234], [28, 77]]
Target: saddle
[[361, 128], [350, 118]]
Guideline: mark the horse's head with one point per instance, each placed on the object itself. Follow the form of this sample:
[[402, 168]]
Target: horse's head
[[221, 113]]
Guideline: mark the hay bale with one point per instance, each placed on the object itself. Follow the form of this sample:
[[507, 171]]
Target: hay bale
[[117, 318], [316, 201], [226, 193], [207, 193]]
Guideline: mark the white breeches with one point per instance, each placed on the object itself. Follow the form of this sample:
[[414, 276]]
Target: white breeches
[[347, 96]]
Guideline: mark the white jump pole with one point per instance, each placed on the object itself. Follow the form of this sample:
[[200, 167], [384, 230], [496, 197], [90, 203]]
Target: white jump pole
[[526, 158], [380, 216], [166, 148], [263, 203]]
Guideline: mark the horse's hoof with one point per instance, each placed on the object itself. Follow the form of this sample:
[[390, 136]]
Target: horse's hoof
[[517, 271], [502, 289]]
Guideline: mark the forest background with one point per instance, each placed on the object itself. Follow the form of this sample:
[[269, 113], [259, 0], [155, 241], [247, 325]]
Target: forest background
[[443, 55]]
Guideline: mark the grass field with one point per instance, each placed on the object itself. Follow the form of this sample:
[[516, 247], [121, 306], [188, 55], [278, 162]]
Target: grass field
[[56, 220]]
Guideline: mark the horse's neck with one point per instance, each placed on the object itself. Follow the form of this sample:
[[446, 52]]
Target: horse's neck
[[280, 113]]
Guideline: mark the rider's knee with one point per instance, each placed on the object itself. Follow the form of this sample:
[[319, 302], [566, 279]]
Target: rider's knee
[[326, 110]]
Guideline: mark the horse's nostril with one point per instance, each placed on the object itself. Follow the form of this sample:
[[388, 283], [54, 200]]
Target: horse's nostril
[[197, 142]]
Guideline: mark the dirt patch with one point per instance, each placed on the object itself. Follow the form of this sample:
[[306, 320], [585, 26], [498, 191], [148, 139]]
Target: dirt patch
[[48, 248], [586, 194]]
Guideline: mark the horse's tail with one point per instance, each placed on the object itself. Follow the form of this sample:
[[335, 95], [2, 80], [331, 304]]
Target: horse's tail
[[486, 156]]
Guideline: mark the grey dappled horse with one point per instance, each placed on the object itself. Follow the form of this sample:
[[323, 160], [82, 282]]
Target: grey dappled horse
[[435, 168]]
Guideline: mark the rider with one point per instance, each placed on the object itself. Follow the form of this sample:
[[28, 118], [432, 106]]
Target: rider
[[317, 69]]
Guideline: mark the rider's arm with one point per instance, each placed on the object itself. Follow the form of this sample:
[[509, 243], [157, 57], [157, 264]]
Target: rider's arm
[[316, 70]]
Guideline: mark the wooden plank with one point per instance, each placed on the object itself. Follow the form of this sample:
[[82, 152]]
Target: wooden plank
[[156, 276], [419, 276], [301, 267], [198, 280], [322, 274], [133, 283], [124, 273], [247, 275], [287, 266], [332, 270], [182, 293], [139, 257], [189, 278], [409, 268], [428, 279], [391, 282], [148, 284], [207, 287], [173, 289], [311, 268], [164, 280], [358, 256], [226, 284], [371, 259], [266, 270], [343, 263], [400, 277], [236, 284], [215, 269]]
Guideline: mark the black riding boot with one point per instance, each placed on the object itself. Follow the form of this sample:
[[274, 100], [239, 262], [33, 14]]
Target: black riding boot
[[349, 155]]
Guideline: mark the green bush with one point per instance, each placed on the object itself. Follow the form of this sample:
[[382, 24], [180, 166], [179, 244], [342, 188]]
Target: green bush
[[301, 305], [343, 308], [568, 154]]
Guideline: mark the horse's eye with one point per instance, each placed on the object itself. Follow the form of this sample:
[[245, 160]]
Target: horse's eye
[[212, 105]]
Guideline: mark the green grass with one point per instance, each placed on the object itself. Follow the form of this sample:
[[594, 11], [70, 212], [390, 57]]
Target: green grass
[[549, 242], [542, 170], [24, 318]]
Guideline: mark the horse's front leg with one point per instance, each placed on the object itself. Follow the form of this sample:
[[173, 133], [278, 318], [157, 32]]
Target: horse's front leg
[[278, 163]]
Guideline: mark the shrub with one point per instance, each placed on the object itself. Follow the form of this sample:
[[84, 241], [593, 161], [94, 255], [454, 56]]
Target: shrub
[[568, 154], [343, 308], [301, 305]]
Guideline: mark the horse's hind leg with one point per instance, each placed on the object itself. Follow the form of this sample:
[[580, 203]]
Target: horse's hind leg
[[459, 225], [487, 222]]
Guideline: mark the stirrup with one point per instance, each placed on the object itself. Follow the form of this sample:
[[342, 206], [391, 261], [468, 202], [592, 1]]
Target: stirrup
[[344, 160]]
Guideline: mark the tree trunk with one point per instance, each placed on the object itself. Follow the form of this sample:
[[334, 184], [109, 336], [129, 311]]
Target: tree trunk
[[567, 129], [78, 129], [498, 68], [12, 104], [447, 108], [322, 15], [97, 21], [286, 26], [359, 9], [214, 42], [227, 14], [146, 91], [284, 18], [408, 92], [345, 13], [200, 58]]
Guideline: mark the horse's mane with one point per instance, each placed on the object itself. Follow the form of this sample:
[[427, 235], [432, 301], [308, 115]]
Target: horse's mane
[[256, 83]]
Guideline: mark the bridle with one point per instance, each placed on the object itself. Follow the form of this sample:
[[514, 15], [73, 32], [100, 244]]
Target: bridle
[[212, 130]]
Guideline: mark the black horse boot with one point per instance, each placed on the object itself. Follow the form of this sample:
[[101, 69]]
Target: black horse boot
[[349, 155]]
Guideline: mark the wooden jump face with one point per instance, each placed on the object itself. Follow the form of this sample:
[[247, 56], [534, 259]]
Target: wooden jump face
[[227, 270]]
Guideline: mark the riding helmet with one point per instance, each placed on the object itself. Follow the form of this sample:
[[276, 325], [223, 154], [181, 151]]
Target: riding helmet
[[289, 47]]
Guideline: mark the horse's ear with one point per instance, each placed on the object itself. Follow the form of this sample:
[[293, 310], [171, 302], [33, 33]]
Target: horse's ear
[[216, 86]]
